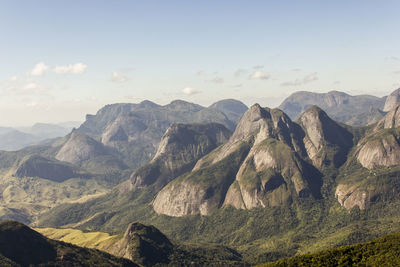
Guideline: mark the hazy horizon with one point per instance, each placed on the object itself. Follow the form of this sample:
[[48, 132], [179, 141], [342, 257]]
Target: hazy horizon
[[63, 60]]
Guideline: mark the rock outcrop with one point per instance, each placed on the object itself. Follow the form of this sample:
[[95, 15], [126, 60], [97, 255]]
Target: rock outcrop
[[144, 245], [390, 120], [392, 100], [350, 196], [382, 149], [326, 142], [181, 146], [382, 146]]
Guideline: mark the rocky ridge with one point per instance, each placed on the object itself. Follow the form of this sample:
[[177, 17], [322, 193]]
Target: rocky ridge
[[266, 162], [180, 147]]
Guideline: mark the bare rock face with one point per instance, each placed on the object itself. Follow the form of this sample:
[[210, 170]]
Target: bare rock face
[[125, 129], [350, 196], [181, 146], [79, 148], [382, 146], [184, 199], [390, 120], [380, 150], [269, 176], [261, 165], [392, 100], [321, 133]]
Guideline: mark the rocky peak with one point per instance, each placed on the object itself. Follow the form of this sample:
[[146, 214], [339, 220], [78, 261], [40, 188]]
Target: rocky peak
[[180, 104], [180, 147], [335, 98], [143, 244], [391, 119], [178, 135], [263, 122], [313, 121], [321, 133], [80, 147], [392, 100], [147, 104]]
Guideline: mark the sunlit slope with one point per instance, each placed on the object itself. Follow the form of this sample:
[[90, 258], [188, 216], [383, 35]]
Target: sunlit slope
[[98, 240]]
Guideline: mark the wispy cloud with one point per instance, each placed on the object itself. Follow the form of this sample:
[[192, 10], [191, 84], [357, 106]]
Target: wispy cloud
[[258, 67], [392, 58], [259, 75], [77, 68], [39, 69], [217, 80], [118, 77], [306, 79], [240, 72], [190, 91], [201, 73]]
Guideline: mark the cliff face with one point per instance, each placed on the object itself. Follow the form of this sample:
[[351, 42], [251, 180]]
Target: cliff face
[[326, 142], [266, 162], [135, 130], [392, 100], [181, 146], [381, 147]]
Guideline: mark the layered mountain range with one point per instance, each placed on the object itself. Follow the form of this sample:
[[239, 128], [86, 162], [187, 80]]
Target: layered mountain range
[[254, 179]]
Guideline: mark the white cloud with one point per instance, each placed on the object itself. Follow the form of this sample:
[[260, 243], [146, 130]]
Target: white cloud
[[306, 79], [190, 91], [259, 75], [201, 73], [77, 68], [32, 87], [258, 67], [13, 78], [39, 69], [118, 77]]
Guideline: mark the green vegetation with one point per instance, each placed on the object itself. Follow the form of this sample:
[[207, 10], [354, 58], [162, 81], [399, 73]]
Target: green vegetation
[[384, 251]]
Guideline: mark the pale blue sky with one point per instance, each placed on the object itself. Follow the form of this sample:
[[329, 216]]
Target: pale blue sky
[[91, 53]]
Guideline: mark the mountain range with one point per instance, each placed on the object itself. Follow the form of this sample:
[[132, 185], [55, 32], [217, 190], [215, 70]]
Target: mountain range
[[320, 171], [20, 137]]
